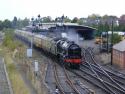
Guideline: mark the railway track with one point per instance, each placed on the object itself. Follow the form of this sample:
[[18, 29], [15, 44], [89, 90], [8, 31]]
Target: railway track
[[63, 82], [57, 81], [4, 84], [91, 79], [112, 84], [108, 85], [117, 78], [115, 71], [113, 75]]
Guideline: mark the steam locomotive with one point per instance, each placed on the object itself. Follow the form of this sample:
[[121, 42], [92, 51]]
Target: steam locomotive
[[66, 51]]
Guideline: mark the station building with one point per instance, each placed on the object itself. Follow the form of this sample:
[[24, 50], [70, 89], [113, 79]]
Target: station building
[[70, 28], [119, 54], [82, 31]]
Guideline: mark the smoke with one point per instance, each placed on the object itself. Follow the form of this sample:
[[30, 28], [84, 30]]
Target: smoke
[[71, 35], [64, 35]]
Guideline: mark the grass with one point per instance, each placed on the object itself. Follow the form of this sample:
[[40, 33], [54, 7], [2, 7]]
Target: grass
[[6, 51], [17, 82], [15, 58]]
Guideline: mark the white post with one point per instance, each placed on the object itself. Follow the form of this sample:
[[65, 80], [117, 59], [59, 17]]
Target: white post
[[36, 68]]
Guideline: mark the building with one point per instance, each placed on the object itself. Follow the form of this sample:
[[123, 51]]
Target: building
[[119, 54], [73, 30], [82, 31]]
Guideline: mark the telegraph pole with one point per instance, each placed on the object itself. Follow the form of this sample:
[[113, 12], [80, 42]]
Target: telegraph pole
[[62, 22], [99, 34], [107, 43], [112, 44], [32, 33]]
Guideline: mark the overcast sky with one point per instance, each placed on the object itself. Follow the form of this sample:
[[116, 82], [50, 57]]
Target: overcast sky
[[55, 8]]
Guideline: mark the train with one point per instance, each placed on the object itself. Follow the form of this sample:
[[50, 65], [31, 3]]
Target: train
[[67, 52]]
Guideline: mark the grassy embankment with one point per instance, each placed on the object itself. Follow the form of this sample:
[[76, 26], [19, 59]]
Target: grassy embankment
[[7, 49]]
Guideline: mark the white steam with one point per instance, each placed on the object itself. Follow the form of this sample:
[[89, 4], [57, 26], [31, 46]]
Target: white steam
[[64, 35], [71, 35]]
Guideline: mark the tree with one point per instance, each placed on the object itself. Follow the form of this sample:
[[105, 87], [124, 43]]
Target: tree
[[1, 25], [25, 22], [81, 21], [106, 27], [94, 16], [67, 19], [19, 23], [7, 24], [116, 38], [22, 23], [74, 20], [46, 19], [14, 22], [122, 23], [100, 29]]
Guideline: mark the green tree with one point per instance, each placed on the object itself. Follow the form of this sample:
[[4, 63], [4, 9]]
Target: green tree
[[74, 20], [80, 21], [67, 19], [106, 27], [1, 25], [7, 24], [116, 38], [22, 23], [19, 23], [94, 16], [25, 22], [100, 29], [14, 22], [46, 19]]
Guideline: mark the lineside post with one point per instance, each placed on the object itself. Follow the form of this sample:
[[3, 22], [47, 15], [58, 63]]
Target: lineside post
[[112, 45]]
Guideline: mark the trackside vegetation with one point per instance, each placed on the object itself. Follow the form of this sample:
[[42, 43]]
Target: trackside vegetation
[[8, 47], [8, 40]]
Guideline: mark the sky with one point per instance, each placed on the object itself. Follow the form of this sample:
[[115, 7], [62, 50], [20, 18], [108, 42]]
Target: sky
[[56, 8]]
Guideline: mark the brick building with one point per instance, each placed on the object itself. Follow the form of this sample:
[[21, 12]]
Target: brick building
[[119, 54]]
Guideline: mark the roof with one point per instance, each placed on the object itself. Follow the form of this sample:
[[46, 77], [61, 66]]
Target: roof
[[68, 24], [120, 46], [71, 25], [76, 25]]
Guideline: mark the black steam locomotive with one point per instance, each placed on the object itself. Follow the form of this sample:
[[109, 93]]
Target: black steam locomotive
[[68, 52]]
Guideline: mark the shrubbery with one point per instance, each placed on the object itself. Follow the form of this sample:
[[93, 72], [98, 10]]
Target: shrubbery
[[9, 40]]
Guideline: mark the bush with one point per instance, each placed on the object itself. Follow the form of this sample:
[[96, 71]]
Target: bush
[[9, 41]]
